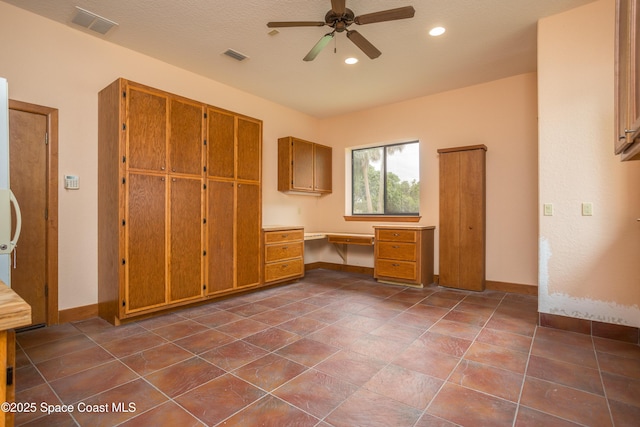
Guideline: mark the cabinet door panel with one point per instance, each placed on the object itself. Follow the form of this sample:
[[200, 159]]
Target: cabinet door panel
[[248, 235], [186, 238], [322, 167], [249, 135], [449, 218], [472, 210], [302, 165], [221, 144], [146, 248], [146, 130], [185, 143], [220, 207]]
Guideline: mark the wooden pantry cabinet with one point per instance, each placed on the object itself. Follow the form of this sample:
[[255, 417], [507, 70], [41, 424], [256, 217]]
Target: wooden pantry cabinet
[[404, 255], [304, 167], [283, 253], [154, 231], [463, 217]]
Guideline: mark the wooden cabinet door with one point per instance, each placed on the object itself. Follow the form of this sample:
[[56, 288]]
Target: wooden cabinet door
[[146, 258], [248, 252], [449, 218], [322, 167], [220, 224], [472, 213], [302, 157], [186, 239], [185, 141], [221, 144], [249, 143], [146, 129]]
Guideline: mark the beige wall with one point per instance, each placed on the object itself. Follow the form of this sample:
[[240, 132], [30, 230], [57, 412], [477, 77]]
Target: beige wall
[[588, 264], [54, 65]]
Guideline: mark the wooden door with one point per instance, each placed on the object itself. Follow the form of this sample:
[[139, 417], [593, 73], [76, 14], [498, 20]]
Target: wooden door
[[472, 214], [249, 135], [28, 168], [146, 259], [248, 254], [322, 168], [221, 144], [302, 153], [221, 235], [146, 129], [449, 219], [186, 241], [186, 137]]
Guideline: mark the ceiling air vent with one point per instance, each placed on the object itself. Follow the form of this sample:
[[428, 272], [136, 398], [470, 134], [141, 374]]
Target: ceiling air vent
[[93, 22], [235, 55]]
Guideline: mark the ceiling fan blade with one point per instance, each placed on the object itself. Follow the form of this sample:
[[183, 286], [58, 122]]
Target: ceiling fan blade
[[370, 50], [338, 7], [318, 47], [296, 24], [385, 15]]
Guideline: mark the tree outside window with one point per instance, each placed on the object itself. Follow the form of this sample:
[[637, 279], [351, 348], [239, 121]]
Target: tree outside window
[[386, 180]]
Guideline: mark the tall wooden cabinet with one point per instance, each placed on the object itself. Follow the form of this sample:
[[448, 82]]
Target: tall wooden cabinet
[[463, 217], [157, 213]]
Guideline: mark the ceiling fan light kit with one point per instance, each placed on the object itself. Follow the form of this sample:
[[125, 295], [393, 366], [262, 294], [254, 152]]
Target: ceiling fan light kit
[[340, 18]]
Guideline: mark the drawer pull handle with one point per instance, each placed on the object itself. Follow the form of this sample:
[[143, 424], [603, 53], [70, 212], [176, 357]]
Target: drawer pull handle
[[395, 265], [396, 234], [284, 236], [284, 248], [285, 265], [395, 247]]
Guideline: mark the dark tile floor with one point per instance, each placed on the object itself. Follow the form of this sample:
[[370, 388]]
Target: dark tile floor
[[334, 349]]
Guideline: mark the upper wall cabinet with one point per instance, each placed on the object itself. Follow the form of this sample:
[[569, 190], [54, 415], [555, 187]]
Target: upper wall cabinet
[[627, 80], [304, 167]]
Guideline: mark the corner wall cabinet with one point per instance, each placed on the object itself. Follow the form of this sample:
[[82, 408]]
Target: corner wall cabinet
[[304, 167], [155, 221], [462, 217], [627, 79], [283, 254], [404, 255]]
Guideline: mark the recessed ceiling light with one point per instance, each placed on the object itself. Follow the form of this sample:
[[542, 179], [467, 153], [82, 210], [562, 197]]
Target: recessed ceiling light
[[351, 61], [437, 31]]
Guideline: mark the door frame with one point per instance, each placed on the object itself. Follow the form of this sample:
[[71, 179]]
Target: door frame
[[52, 202]]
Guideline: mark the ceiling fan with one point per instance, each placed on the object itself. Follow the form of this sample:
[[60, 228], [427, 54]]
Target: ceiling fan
[[340, 18]]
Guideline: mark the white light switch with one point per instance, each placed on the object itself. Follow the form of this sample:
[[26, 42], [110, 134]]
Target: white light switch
[[587, 209], [548, 209]]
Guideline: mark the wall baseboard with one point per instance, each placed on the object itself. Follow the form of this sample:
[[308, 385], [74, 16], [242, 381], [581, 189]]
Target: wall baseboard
[[594, 328], [78, 313]]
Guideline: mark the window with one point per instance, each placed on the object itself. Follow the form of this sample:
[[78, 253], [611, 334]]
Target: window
[[386, 180]]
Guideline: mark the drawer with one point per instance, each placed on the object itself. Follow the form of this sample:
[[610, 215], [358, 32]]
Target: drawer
[[396, 269], [351, 240], [396, 251], [283, 251], [284, 269], [283, 236], [397, 235]]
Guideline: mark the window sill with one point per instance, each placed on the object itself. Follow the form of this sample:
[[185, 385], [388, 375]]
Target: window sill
[[383, 218]]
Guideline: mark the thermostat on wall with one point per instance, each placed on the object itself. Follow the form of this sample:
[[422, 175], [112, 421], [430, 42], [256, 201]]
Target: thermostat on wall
[[71, 182]]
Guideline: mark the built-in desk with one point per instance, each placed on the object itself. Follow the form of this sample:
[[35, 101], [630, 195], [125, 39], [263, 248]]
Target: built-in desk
[[341, 241], [14, 313]]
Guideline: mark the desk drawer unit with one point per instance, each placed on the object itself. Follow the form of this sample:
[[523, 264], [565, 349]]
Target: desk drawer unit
[[283, 254], [404, 255]]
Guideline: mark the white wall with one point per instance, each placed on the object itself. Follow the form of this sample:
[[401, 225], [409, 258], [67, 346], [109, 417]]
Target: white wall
[[588, 264]]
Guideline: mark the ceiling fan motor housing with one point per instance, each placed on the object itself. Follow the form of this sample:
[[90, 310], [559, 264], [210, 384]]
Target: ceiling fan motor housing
[[339, 22]]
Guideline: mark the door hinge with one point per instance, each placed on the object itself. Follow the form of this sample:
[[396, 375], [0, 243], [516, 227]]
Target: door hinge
[[46, 289], [46, 138], [9, 375], [124, 304], [124, 126], [124, 93], [124, 159], [205, 115], [205, 142], [46, 214], [124, 222]]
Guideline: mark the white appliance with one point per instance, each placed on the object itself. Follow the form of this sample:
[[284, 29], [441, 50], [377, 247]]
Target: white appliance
[[7, 199]]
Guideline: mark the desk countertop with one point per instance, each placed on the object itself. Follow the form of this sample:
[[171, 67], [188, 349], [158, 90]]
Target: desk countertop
[[14, 311]]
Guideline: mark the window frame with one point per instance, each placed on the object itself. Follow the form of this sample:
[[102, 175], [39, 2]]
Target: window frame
[[350, 184]]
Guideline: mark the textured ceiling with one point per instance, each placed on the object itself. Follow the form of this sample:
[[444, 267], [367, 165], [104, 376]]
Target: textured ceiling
[[485, 40]]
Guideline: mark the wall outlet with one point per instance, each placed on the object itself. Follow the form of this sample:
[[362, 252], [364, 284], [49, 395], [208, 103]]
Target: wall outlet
[[548, 209], [587, 209]]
